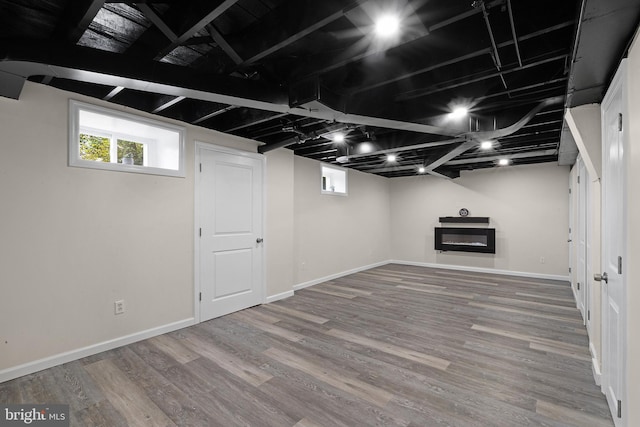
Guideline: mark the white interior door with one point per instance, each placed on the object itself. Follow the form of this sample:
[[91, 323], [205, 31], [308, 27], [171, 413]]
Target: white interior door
[[229, 192], [572, 273], [589, 287], [613, 241], [581, 247]]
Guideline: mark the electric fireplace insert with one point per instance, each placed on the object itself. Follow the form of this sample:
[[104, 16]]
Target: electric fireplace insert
[[481, 240]]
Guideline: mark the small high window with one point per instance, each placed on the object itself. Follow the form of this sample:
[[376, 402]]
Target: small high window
[[101, 138], [334, 181]]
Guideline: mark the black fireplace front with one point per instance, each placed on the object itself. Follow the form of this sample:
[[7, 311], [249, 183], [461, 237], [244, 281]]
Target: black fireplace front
[[465, 239]]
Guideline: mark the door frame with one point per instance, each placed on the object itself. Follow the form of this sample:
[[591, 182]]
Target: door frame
[[618, 85], [196, 222]]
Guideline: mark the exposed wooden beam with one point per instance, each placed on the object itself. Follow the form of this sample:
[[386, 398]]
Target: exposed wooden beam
[[546, 86], [145, 1], [323, 66], [167, 102], [152, 16], [78, 16], [199, 25], [470, 55], [248, 118], [296, 29], [224, 45], [112, 69], [467, 80], [116, 90], [198, 40], [213, 114]]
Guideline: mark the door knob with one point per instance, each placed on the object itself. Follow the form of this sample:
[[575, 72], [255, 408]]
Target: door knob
[[569, 241], [259, 240], [604, 277]]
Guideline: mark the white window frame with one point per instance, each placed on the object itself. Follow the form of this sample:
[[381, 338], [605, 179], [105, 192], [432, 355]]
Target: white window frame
[[342, 171], [74, 137]]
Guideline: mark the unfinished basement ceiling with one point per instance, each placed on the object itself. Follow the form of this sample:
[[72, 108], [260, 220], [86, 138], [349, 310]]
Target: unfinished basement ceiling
[[294, 73]]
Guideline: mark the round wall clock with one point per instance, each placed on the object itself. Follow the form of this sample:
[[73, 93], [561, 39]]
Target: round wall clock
[[463, 212]]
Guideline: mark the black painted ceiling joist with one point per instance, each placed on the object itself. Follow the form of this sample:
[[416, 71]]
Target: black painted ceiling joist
[[151, 14], [229, 66], [322, 65], [108, 64], [77, 18], [224, 45], [212, 11]]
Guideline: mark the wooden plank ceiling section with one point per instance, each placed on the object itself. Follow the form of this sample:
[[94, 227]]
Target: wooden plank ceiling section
[[295, 73]]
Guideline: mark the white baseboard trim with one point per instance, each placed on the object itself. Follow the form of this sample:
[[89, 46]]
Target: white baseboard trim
[[595, 364], [278, 297], [483, 270], [69, 356], [337, 275]]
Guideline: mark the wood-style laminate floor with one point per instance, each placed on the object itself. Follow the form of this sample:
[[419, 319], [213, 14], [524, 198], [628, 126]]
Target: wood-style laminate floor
[[391, 346]]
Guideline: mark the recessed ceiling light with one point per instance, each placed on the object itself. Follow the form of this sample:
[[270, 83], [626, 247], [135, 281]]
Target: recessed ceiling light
[[421, 169], [391, 158], [387, 25], [485, 145], [459, 112], [365, 147], [338, 137], [503, 162]]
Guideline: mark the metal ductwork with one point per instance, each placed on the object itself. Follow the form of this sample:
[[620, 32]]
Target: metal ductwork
[[105, 68], [469, 140]]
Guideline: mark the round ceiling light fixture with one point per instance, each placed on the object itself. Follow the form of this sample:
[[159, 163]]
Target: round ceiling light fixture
[[486, 145], [338, 137], [365, 147], [387, 25], [504, 162], [391, 157], [459, 112], [421, 169]]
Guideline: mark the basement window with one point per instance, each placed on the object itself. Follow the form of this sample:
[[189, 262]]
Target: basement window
[[334, 181], [106, 139]]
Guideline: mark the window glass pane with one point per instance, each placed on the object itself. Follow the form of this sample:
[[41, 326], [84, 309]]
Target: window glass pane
[[94, 148], [130, 152], [106, 139], [334, 181]]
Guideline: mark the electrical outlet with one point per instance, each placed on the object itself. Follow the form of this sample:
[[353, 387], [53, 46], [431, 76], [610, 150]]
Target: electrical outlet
[[541, 260], [118, 306]]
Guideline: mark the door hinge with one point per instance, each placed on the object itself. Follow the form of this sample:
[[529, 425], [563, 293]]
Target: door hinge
[[569, 269], [200, 296], [578, 285], [569, 191], [619, 265], [619, 408], [200, 167], [200, 231], [578, 179], [619, 122], [588, 314], [569, 230]]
